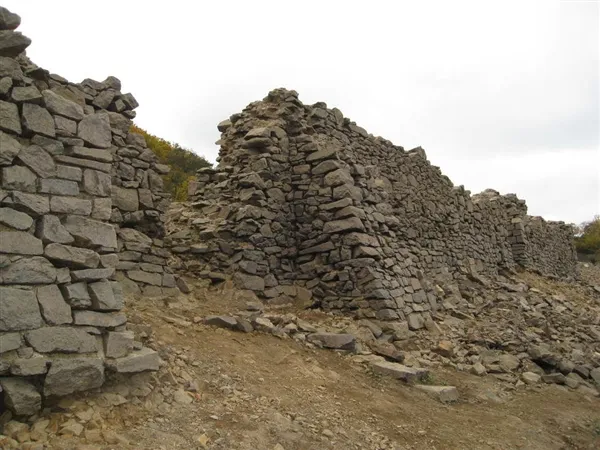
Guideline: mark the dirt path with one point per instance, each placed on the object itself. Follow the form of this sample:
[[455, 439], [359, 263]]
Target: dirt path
[[257, 391]]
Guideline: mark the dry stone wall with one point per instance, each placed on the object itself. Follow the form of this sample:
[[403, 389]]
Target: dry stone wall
[[304, 203], [61, 148]]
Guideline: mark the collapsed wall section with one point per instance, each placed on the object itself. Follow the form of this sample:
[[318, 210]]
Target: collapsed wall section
[[61, 323], [363, 225]]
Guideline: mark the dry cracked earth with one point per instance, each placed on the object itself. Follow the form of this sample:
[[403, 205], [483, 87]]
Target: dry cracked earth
[[222, 389]]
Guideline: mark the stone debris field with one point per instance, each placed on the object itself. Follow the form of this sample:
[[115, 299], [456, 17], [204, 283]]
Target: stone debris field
[[322, 288]]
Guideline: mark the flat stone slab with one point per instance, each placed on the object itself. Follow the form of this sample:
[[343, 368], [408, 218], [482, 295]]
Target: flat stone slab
[[399, 371], [136, 361], [73, 375], [337, 341], [61, 339], [445, 394], [221, 322]]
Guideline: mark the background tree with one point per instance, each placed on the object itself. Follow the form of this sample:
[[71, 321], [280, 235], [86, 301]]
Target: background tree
[[183, 163], [587, 238]]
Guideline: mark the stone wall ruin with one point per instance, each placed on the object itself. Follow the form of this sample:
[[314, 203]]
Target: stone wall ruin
[[77, 193], [305, 204]]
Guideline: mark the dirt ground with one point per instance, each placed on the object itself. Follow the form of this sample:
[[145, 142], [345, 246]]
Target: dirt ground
[[258, 391]]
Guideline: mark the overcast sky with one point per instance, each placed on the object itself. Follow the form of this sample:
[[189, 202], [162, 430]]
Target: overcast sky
[[501, 94]]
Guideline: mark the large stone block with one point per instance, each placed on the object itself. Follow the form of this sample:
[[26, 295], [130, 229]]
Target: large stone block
[[19, 178], [118, 344], [8, 19], [95, 130], [9, 118], [97, 154], [61, 339], [73, 375], [9, 148], [10, 341], [252, 282], [58, 104], [103, 298], [145, 277], [344, 225], [125, 199], [102, 209], [20, 242], [21, 396], [99, 319], [333, 340], [12, 43], [26, 367], [36, 205], [59, 187], [54, 308], [72, 256], [29, 270], [38, 160], [19, 310], [77, 295], [26, 94], [96, 183], [136, 361], [92, 232], [49, 230], [15, 219], [70, 205], [38, 120]]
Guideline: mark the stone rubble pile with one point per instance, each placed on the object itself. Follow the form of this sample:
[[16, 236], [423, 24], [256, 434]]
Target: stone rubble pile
[[305, 204], [68, 168]]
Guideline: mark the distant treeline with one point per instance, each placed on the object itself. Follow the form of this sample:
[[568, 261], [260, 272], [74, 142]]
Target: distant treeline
[[183, 163], [587, 239]]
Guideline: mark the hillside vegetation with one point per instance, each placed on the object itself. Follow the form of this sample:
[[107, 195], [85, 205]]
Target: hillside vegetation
[[183, 163], [587, 240]]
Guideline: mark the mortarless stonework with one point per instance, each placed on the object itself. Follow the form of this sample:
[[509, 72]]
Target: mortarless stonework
[[306, 204], [63, 148]]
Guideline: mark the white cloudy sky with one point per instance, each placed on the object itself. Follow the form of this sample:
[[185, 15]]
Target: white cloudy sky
[[501, 94]]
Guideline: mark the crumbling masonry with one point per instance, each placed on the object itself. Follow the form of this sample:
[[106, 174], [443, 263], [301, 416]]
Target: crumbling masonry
[[306, 205]]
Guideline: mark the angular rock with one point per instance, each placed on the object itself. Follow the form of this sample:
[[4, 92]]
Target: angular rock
[[445, 394], [136, 361], [69, 173], [27, 94], [96, 183], [36, 205], [19, 310], [21, 396], [50, 230], [73, 375], [9, 148], [19, 178], [399, 371], [102, 209], [221, 322], [30, 270], [333, 340], [77, 295], [99, 319], [12, 43], [15, 219], [339, 226], [10, 341], [96, 154], [387, 350], [93, 274], [59, 187], [25, 367], [58, 104], [118, 344], [37, 120], [72, 256], [154, 279], [20, 242], [70, 205], [95, 130], [251, 282], [89, 231], [53, 306], [103, 298], [9, 118], [61, 339], [8, 20], [125, 199]]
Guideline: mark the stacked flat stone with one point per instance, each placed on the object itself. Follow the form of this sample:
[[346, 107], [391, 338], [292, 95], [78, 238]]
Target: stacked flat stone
[[304, 201], [61, 323]]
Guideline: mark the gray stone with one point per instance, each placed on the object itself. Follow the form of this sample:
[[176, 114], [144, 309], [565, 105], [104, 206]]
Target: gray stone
[[154, 279], [415, 321], [109, 260], [9, 342], [12, 43], [64, 126], [96, 183], [136, 361], [182, 285], [15, 219], [326, 153], [93, 274], [73, 375], [399, 371], [9, 118], [557, 378], [5, 82], [9, 20], [38, 120], [52, 146], [38, 160], [77, 295], [333, 340], [34, 204], [54, 308], [61, 339], [251, 282], [445, 394], [338, 177], [118, 344], [19, 310], [89, 231], [58, 104], [80, 162], [59, 187], [344, 225], [70, 205], [18, 178], [222, 322], [96, 154], [30, 270], [72, 256], [125, 199], [50, 230], [27, 94], [95, 130], [99, 319], [9, 148], [26, 367], [595, 375], [102, 209], [102, 296], [21, 396], [69, 173]]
